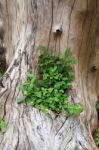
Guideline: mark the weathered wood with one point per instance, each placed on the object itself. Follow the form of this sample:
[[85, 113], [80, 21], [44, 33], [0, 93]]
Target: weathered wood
[[29, 23]]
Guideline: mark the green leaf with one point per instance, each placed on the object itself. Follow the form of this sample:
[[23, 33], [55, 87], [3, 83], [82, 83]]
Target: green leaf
[[31, 102], [74, 109], [50, 90], [23, 87], [97, 134], [2, 125], [97, 106], [97, 142], [73, 61], [45, 76], [38, 94], [21, 99], [31, 76], [67, 52]]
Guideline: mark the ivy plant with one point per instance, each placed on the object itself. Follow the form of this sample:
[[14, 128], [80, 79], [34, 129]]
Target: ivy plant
[[2, 125], [96, 137], [49, 90]]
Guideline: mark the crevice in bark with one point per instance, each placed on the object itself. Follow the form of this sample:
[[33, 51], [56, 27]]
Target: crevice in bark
[[51, 23], [70, 21]]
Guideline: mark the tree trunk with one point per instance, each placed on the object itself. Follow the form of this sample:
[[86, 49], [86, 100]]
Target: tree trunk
[[28, 24]]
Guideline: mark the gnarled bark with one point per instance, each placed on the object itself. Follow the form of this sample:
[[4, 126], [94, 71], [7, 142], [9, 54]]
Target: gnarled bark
[[29, 23]]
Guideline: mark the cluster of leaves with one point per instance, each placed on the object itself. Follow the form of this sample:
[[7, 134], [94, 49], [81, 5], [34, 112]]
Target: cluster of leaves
[[49, 91], [96, 138], [2, 125], [1, 72]]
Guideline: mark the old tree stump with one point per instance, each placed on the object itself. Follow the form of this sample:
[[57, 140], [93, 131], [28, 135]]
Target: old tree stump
[[27, 24]]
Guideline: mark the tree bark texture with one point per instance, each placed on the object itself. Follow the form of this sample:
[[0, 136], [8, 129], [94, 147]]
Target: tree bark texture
[[27, 24]]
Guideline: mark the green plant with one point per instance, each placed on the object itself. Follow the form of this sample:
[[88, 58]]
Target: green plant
[[2, 125], [48, 92], [1, 72], [97, 106], [96, 137]]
